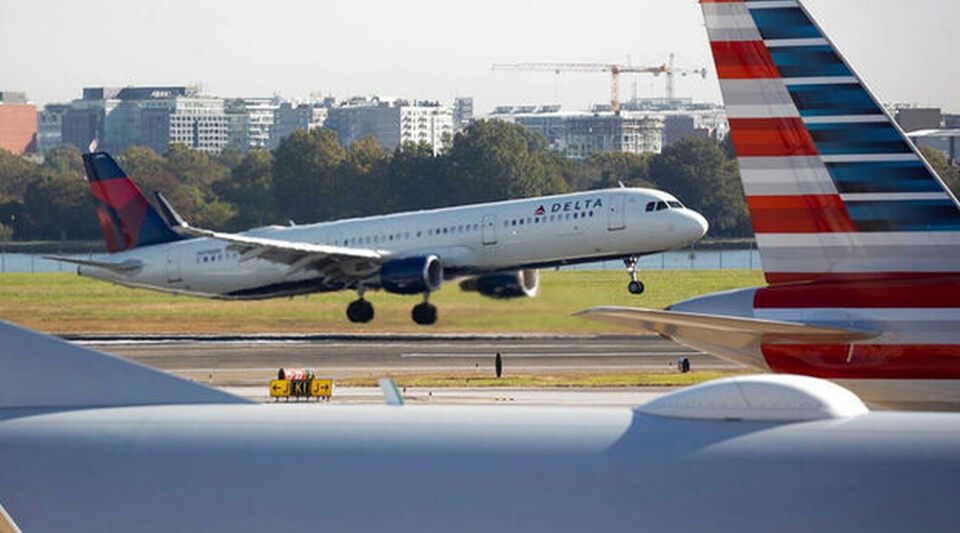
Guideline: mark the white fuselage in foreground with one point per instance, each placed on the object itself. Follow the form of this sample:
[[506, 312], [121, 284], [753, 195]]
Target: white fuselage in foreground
[[474, 239], [471, 469]]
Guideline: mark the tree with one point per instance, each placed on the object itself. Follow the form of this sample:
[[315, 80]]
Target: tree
[[58, 207], [250, 190], [607, 169], [948, 173], [64, 160], [492, 160], [16, 173], [193, 167], [305, 172], [698, 173], [414, 179], [362, 185]]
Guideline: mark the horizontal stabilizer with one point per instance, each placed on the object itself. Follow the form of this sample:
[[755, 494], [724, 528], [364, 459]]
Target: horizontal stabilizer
[[41, 371], [672, 323], [123, 267]]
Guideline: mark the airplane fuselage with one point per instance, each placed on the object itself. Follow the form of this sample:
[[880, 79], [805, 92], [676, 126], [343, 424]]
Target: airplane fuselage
[[468, 240], [471, 469]]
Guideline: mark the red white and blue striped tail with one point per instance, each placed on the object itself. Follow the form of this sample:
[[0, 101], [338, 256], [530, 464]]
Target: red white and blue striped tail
[[835, 188]]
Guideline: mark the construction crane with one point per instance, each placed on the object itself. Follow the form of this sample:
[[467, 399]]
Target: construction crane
[[673, 71], [614, 69]]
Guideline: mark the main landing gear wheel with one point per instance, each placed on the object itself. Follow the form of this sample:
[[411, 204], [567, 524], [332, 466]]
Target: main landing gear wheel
[[360, 311], [425, 313], [635, 286]]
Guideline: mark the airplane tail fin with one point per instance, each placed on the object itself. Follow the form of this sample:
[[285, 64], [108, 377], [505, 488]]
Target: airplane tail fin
[[126, 217], [834, 187]]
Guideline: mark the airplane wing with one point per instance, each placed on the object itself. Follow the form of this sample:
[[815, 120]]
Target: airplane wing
[[123, 267], [335, 262], [674, 323]]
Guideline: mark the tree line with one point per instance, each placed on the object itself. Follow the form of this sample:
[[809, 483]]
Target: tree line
[[310, 177]]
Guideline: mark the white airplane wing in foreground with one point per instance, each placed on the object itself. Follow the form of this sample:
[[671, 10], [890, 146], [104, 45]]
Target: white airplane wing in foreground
[[40, 371], [339, 262]]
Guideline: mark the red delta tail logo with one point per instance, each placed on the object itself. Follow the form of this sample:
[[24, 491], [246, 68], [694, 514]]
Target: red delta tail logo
[[540, 211], [126, 217]]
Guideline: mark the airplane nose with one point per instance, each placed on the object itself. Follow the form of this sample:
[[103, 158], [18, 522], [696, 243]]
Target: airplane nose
[[690, 226], [698, 223]]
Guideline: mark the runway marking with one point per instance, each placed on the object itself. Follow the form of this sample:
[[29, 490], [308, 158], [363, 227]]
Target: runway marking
[[509, 355]]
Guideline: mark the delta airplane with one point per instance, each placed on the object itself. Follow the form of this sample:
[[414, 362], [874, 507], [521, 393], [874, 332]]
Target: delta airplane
[[859, 238], [89, 442], [495, 247]]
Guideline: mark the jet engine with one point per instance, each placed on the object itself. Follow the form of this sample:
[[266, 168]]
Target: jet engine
[[412, 275], [514, 284]]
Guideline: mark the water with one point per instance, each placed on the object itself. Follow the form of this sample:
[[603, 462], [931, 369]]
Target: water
[[678, 260]]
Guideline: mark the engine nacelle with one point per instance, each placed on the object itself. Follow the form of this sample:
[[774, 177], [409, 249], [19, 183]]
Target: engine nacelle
[[412, 275], [505, 284]]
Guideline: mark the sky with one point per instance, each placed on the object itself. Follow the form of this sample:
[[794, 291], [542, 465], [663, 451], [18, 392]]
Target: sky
[[436, 50]]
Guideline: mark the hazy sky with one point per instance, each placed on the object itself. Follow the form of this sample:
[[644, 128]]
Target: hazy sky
[[432, 49]]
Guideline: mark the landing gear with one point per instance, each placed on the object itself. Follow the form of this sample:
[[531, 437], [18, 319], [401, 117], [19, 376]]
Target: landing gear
[[425, 313], [360, 310], [635, 286]]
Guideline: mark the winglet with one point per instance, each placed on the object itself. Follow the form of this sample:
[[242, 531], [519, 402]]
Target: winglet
[[173, 218], [41, 371]]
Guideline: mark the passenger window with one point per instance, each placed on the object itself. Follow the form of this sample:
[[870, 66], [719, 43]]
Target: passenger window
[[651, 206], [513, 222], [661, 206]]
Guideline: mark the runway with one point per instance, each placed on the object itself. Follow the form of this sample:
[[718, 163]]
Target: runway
[[245, 364]]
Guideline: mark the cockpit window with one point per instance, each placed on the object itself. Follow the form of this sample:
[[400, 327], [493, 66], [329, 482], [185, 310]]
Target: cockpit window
[[675, 205], [661, 206], [651, 206]]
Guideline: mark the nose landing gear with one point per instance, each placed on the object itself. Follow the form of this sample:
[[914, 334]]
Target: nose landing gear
[[635, 286], [425, 313]]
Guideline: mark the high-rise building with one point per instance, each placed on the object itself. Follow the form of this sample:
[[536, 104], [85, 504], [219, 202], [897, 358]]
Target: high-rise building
[[18, 123], [392, 122], [462, 112]]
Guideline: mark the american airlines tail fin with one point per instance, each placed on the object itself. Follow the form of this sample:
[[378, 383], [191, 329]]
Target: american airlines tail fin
[[126, 217], [40, 371], [834, 187]]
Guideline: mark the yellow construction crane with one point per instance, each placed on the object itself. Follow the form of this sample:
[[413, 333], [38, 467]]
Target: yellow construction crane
[[614, 70]]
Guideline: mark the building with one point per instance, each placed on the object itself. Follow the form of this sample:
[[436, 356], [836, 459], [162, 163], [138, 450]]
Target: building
[[579, 134], [462, 113], [919, 118], [194, 120], [250, 121], [50, 126], [118, 118], [290, 117], [18, 123], [391, 122]]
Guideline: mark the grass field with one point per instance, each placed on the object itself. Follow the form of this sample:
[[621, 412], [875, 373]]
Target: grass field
[[67, 303]]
